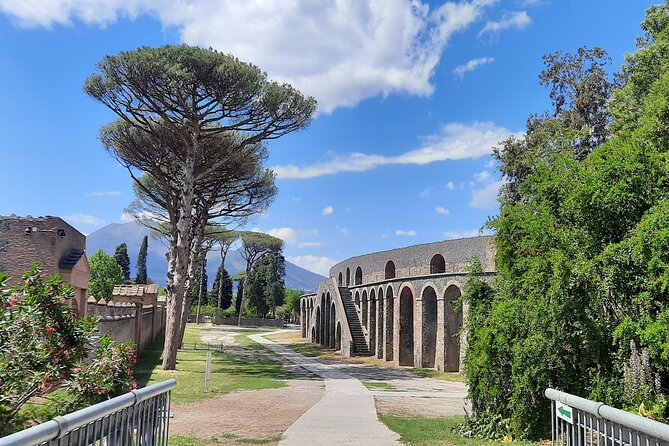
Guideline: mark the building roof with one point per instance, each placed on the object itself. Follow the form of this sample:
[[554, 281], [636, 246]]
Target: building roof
[[135, 290]]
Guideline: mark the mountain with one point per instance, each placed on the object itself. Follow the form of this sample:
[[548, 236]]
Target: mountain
[[110, 236]]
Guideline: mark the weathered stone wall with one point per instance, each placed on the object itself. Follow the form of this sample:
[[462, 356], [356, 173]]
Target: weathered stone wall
[[414, 260], [118, 321], [19, 249]]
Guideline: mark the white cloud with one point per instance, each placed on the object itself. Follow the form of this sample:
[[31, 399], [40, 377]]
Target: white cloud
[[482, 176], [451, 235], [455, 142], [109, 193], [486, 198], [442, 210], [340, 51], [426, 192], [473, 64], [516, 19], [84, 219], [450, 186], [343, 231], [490, 164], [310, 245], [329, 210], [409, 233], [288, 235], [320, 265]]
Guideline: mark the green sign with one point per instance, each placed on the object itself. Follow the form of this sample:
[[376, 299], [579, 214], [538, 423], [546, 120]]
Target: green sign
[[564, 412]]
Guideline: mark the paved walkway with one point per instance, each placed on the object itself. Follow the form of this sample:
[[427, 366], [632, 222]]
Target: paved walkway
[[346, 414]]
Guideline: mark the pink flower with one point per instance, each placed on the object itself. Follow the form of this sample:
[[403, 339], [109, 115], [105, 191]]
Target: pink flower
[[49, 330], [133, 385], [13, 301]]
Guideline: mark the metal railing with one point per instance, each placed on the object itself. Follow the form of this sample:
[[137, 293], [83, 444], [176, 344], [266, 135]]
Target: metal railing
[[137, 418], [577, 421]]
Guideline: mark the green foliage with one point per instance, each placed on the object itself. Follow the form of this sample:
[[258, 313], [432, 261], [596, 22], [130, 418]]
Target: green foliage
[[265, 284], [105, 273], [45, 345], [141, 262], [121, 257], [582, 262], [221, 292], [199, 295]]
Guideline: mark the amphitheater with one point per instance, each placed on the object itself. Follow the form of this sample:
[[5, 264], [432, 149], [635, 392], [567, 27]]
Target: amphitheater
[[398, 305]]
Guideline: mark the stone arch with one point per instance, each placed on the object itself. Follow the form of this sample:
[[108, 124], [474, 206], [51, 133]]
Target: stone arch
[[380, 335], [407, 303], [358, 276], [452, 326], [348, 277], [429, 327], [338, 337], [333, 318], [372, 321], [318, 325], [437, 264], [313, 334], [340, 279], [357, 299], [303, 319], [390, 323], [365, 308], [390, 270], [327, 321]]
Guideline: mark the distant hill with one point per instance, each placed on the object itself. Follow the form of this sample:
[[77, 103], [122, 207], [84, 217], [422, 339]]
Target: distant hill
[[110, 236]]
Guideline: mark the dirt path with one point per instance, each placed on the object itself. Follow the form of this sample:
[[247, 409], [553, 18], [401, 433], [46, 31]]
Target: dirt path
[[248, 414]]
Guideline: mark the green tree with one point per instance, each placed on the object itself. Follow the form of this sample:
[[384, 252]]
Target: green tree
[[105, 273], [240, 294], [182, 110], [582, 265], [221, 292], [123, 260], [141, 262]]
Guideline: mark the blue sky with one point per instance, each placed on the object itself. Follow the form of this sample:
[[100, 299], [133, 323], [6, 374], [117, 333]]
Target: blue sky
[[412, 96]]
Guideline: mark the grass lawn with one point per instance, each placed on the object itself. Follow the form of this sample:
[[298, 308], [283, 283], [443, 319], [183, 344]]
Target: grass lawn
[[420, 431], [436, 374], [228, 373], [379, 385], [179, 440]]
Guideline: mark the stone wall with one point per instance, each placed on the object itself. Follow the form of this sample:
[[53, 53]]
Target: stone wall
[[118, 321]]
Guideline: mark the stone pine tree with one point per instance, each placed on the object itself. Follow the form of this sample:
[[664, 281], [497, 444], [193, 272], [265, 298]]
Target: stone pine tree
[[141, 262], [121, 257], [183, 111], [221, 292]]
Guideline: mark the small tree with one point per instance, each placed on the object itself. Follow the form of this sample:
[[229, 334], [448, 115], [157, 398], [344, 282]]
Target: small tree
[[105, 273], [141, 262], [221, 292], [121, 257]]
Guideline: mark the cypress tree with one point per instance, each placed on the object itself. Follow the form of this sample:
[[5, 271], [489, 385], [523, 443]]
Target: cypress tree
[[141, 262], [121, 257], [240, 293], [221, 292]]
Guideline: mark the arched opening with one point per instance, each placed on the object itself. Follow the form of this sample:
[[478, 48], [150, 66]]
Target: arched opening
[[340, 280], [328, 321], [365, 308], [429, 327], [357, 299], [322, 309], [390, 270], [379, 328], [332, 326], [318, 325], [358, 276], [313, 334], [437, 264], [338, 337], [390, 323], [452, 326], [406, 327], [372, 322], [348, 276], [303, 319]]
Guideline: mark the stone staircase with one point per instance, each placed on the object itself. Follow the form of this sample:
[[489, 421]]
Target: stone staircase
[[360, 347]]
